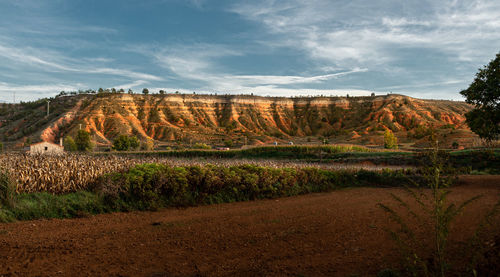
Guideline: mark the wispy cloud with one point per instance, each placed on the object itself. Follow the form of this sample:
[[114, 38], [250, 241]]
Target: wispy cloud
[[26, 92], [58, 62], [134, 84], [201, 65], [345, 34]]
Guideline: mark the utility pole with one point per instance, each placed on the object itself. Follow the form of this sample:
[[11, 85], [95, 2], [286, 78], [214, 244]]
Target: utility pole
[[48, 108]]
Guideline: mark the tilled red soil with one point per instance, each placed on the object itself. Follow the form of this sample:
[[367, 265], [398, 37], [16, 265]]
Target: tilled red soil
[[335, 234]]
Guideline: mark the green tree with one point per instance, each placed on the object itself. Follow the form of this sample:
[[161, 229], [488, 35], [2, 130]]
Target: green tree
[[82, 141], [130, 91], [1, 147], [125, 143], [134, 142], [145, 91], [484, 94], [121, 143], [162, 92], [390, 140], [69, 144]]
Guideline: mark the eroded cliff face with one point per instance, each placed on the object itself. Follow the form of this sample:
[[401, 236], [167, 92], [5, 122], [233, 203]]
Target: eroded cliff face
[[193, 118]]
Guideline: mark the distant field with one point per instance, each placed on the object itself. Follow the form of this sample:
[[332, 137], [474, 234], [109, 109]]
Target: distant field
[[464, 160]]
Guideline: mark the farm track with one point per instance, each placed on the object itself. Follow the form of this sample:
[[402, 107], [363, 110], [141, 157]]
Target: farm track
[[326, 234]]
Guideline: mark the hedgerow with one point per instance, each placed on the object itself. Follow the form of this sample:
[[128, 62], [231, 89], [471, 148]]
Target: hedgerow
[[149, 186]]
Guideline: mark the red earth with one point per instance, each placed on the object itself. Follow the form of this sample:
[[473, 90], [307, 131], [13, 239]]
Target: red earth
[[341, 233]]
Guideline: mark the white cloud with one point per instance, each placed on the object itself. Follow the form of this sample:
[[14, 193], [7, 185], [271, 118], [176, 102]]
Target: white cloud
[[249, 80], [347, 35], [132, 85], [26, 92], [200, 64], [54, 61]]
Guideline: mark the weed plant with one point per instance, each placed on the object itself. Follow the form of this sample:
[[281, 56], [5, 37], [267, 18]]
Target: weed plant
[[435, 213]]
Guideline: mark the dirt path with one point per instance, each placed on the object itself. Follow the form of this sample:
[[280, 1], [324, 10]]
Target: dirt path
[[334, 234]]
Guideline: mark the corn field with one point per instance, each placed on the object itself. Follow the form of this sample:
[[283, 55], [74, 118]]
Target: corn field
[[73, 172]]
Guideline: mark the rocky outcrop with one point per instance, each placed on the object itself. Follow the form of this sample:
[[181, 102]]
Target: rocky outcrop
[[210, 118]]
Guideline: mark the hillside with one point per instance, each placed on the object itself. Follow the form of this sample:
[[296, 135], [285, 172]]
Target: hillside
[[181, 118]]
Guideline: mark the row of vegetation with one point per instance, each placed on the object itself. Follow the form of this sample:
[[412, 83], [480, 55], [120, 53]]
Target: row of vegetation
[[150, 186], [465, 162]]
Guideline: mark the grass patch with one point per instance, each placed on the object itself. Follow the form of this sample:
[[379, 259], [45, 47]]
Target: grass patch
[[45, 205]]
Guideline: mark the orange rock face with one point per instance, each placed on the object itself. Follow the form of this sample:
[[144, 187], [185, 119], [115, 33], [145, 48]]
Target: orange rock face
[[206, 118]]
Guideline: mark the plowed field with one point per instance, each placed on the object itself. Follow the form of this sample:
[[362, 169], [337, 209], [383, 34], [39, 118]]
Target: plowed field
[[334, 234]]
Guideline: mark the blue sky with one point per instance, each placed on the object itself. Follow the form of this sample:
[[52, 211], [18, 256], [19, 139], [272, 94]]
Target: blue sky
[[425, 49]]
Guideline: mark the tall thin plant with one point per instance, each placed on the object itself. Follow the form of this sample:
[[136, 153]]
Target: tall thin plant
[[437, 214]]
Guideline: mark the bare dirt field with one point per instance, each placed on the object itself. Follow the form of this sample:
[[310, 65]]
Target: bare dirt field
[[327, 234]]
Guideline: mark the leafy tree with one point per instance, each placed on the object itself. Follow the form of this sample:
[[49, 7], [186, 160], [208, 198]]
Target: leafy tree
[[125, 143], [162, 92], [484, 94], [82, 141], [390, 141], [69, 144], [121, 90], [130, 91], [121, 143], [145, 91], [134, 142], [100, 90]]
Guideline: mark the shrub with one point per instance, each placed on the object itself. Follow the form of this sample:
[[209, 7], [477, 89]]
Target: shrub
[[390, 141], [201, 146], [125, 143], [433, 210], [153, 185], [82, 140], [69, 144], [421, 131], [7, 189], [141, 182]]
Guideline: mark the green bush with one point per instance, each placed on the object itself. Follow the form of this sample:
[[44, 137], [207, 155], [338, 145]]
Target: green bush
[[125, 143], [149, 186], [390, 141], [201, 146], [7, 189], [69, 144], [83, 141]]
